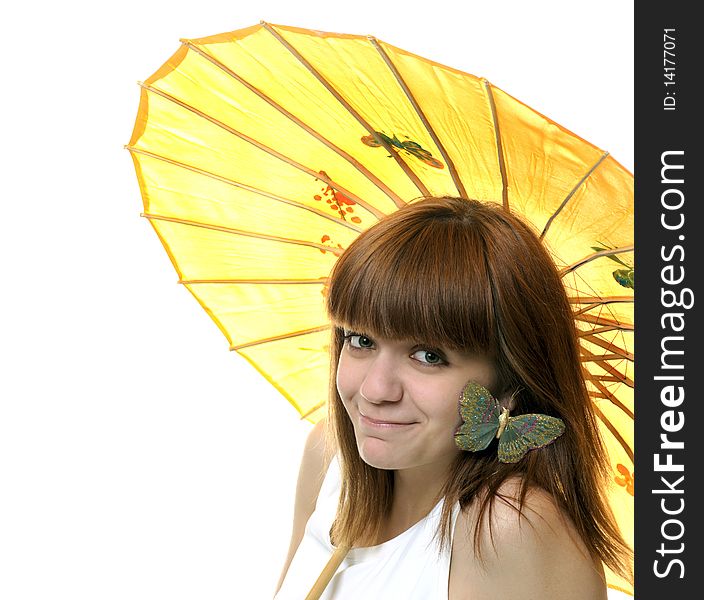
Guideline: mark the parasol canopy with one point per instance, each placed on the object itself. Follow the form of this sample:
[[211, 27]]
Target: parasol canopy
[[262, 153]]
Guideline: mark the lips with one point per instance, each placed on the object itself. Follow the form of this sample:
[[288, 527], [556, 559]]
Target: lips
[[383, 422]]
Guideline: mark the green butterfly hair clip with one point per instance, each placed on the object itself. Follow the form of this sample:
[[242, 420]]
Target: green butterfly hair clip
[[484, 419]]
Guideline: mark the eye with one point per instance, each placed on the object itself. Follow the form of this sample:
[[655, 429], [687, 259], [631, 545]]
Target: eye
[[359, 341], [428, 357]]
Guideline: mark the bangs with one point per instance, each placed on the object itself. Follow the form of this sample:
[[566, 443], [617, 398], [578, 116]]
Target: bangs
[[419, 278]]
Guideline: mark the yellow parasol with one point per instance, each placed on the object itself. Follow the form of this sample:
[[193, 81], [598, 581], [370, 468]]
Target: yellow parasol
[[262, 153]]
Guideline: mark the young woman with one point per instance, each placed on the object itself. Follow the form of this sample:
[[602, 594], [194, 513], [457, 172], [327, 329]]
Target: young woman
[[444, 293]]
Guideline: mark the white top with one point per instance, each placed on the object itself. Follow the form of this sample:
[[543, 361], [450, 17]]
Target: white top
[[408, 566]]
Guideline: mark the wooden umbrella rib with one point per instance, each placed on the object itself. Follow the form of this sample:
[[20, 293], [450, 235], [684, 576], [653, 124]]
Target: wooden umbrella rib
[[614, 432], [610, 397], [611, 347], [606, 378], [250, 234], [613, 373], [595, 358], [590, 307], [594, 301], [594, 256], [347, 106], [320, 281], [277, 338], [419, 111], [599, 320], [611, 378], [396, 199], [499, 144], [596, 330], [587, 308], [167, 248], [310, 411], [611, 370], [572, 193], [249, 188], [598, 302], [316, 174]]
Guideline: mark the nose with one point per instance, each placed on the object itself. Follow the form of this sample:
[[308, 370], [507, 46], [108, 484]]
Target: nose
[[381, 382]]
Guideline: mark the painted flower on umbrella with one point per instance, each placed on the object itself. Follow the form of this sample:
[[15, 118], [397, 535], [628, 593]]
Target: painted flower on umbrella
[[626, 479], [337, 201], [327, 241]]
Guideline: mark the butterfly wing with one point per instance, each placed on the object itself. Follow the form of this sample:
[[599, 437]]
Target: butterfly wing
[[480, 415], [527, 432]]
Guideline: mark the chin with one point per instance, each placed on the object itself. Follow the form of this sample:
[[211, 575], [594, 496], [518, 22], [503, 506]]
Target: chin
[[377, 453]]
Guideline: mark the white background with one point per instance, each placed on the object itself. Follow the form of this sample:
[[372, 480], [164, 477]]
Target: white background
[[138, 457]]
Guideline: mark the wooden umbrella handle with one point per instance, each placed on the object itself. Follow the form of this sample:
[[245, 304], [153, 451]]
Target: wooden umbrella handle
[[327, 573]]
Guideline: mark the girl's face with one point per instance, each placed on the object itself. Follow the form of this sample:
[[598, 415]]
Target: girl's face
[[403, 396]]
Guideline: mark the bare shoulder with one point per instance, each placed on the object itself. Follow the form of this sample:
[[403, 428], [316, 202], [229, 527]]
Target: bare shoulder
[[314, 464], [317, 455], [534, 554]]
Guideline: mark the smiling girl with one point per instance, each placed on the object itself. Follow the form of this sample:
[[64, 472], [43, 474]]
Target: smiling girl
[[444, 292]]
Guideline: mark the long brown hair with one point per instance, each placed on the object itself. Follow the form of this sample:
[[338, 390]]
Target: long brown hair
[[469, 275]]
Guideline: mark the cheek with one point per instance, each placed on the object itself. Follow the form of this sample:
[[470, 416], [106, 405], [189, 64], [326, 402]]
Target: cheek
[[451, 423], [346, 378], [451, 416], [449, 412]]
